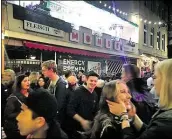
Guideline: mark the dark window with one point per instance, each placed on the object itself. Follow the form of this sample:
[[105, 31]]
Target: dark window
[[163, 42], [145, 34], [152, 37], [158, 40]]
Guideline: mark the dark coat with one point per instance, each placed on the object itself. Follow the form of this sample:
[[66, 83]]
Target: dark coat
[[61, 94], [12, 109], [160, 127], [5, 93], [142, 99]]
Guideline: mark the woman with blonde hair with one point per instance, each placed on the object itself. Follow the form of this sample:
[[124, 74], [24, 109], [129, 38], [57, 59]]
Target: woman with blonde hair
[[33, 78], [107, 125], [161, 124]]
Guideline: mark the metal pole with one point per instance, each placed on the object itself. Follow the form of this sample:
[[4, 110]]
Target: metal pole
[[55, 57], [41, 57]]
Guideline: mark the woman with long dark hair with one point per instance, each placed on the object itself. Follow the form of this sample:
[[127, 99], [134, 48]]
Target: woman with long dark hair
[[12, 109]]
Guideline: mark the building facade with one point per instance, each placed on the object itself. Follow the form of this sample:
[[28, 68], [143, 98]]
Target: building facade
[[152, 19], [36, 33]]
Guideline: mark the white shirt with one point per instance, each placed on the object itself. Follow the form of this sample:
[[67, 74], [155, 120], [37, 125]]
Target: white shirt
[[150, 82]]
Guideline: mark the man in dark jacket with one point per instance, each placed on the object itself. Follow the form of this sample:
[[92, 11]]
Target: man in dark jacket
[[141, 98], [83, 106], [37, 118], [57, 87]]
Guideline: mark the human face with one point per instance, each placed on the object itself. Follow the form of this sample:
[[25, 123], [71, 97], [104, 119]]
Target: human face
[[6, 78], [123, 95], [46, 72], [91, 82], [26, 124], [25, 84], [157, 82], [83, 78], [124, 75], [41, 82]]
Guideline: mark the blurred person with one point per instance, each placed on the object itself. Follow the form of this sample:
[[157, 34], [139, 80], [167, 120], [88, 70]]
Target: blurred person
[[161, 124], [150, 83], [107, 125], [141, 98], [8, 79], [67, 74], [83, 106], [33, 77], [37, 118], [42, 83], [83, 79], [57, 87], [99, 87], [12, 109], [81, 72]]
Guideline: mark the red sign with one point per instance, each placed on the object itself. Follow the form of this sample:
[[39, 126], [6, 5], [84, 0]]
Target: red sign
[[87, 38], [98, 41], [108, 43], [74, 36]]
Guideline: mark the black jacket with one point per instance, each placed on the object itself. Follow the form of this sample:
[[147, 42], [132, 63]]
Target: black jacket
[[142, 99], [160, 127], [61, 94], [5, 93], [84, 103], [12, 109]]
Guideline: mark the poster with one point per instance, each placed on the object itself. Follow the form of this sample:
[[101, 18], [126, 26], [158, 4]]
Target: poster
[[72, 64], [95, 66]]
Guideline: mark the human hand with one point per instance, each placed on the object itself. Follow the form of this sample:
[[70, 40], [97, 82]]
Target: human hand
[[132, 111], [85, 125], [116, 108]]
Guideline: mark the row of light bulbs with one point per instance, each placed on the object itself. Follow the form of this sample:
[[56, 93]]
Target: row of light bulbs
[[150, 22], [117, 10]]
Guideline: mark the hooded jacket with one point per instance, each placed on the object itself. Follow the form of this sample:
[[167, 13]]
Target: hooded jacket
[[142, 99]]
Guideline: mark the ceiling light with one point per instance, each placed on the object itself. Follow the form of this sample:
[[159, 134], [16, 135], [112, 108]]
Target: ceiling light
[[145, 21], [150, 22], [105, 5], [109, 7], [100, 2]]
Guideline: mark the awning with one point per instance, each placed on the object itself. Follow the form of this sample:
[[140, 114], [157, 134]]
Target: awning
[[61, 49]]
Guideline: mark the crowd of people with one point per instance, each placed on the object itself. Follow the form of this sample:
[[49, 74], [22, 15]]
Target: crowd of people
[[51, 104]]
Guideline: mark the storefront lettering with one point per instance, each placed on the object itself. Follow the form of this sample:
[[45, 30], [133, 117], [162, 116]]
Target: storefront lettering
[[31, 26], [115, 43], [107, 43], [87, 38], [98, 41], [73, 62], [74, 36]]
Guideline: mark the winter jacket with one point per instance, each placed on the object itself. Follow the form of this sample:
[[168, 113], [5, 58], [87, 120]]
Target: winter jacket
[[61, 94], [142, 99], [12, 109], [160, 127]]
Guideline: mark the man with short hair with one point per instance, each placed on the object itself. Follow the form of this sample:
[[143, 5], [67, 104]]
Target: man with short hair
[[83, 105], [57, 87], [37, 117]]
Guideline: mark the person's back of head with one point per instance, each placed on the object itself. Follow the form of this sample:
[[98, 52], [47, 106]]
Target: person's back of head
[[39, 112], [131, 71], [163, 83], [67, 73]]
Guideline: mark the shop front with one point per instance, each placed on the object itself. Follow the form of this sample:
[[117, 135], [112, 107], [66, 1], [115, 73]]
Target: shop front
[[71, 48]]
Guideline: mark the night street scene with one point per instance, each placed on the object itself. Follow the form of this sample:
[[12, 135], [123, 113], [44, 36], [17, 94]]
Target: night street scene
[[86, 69]]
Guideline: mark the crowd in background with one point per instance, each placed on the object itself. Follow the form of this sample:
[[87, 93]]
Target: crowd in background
[[61, 105]]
